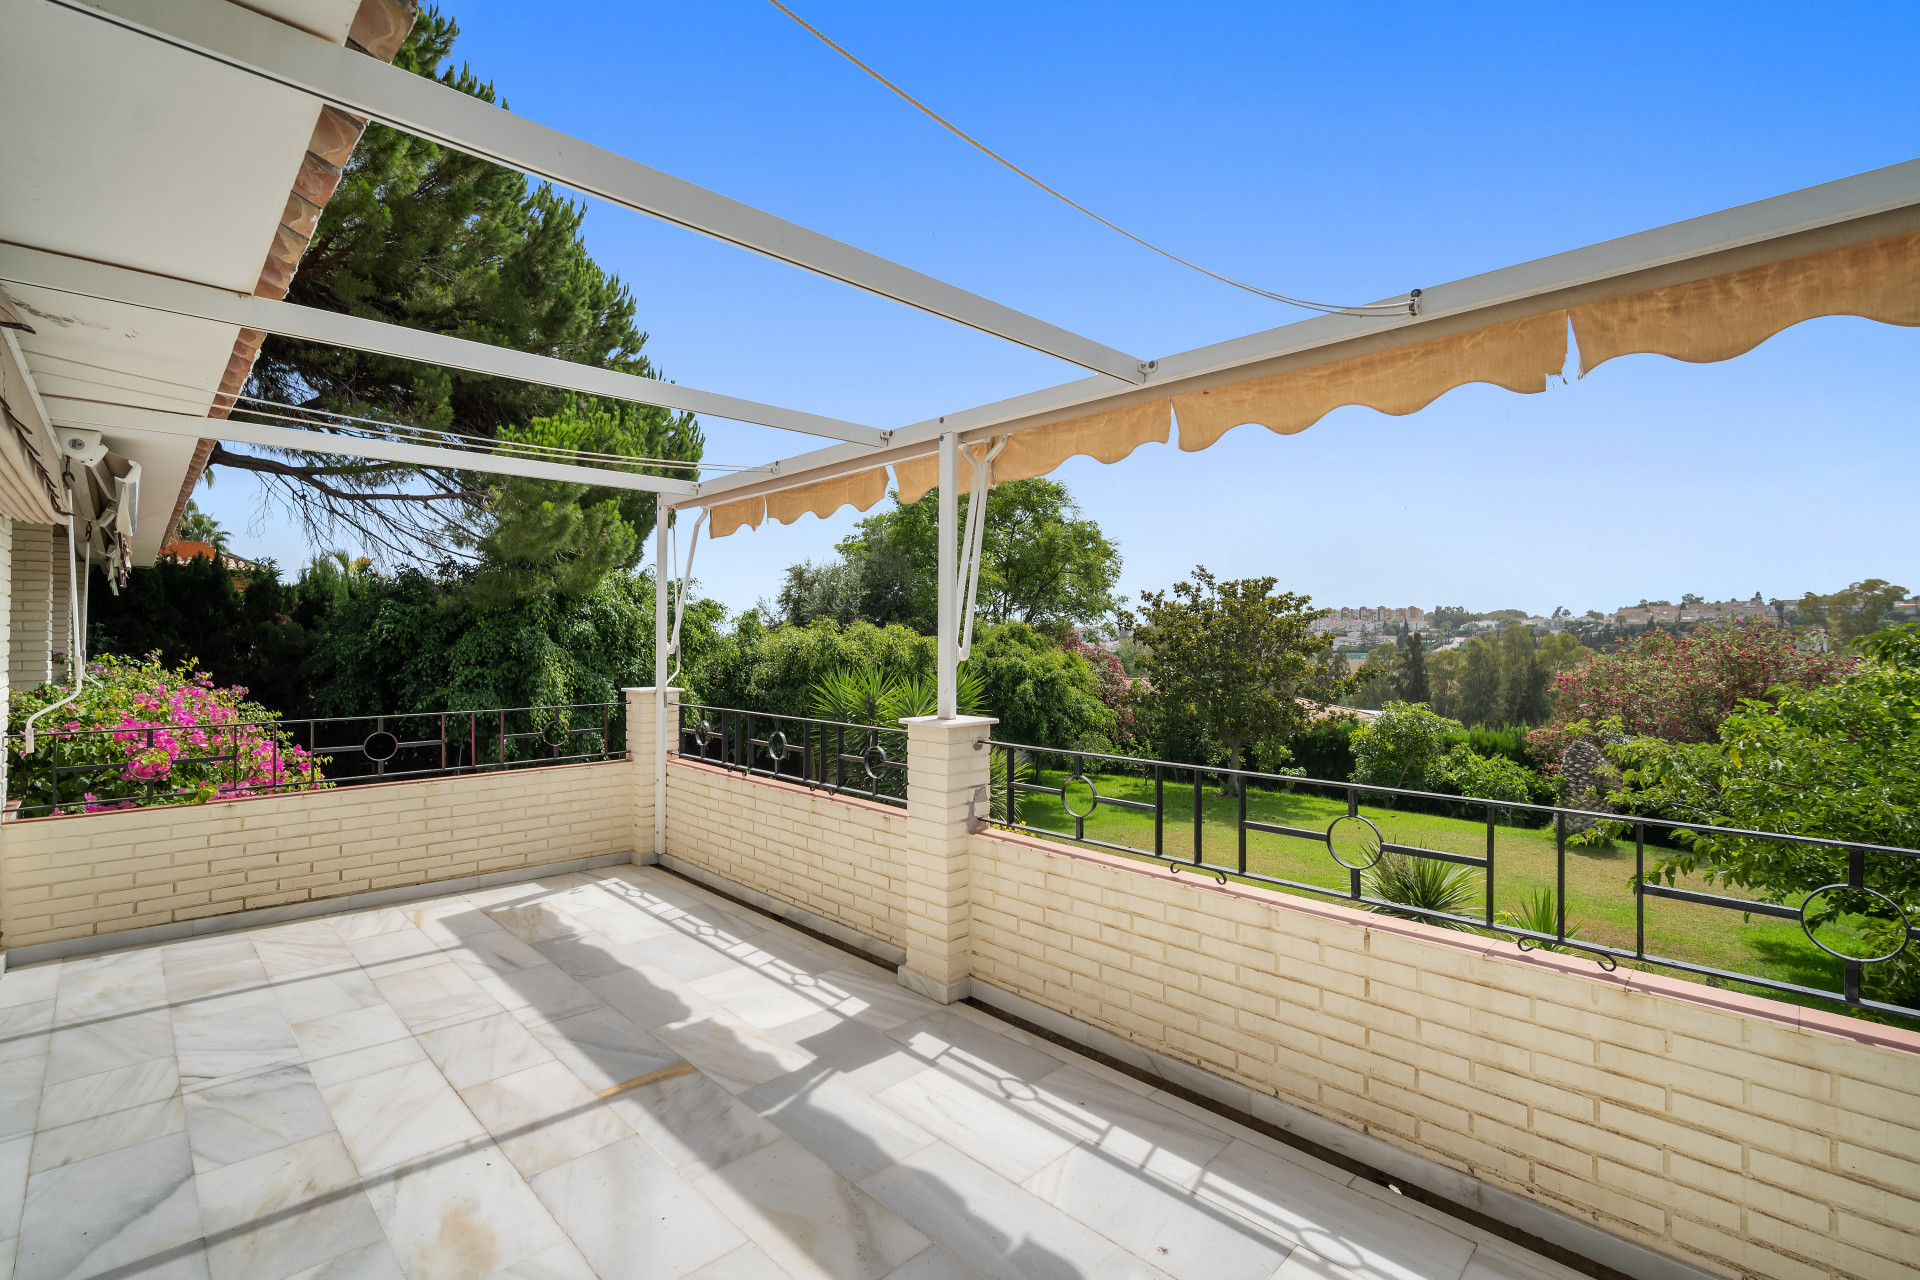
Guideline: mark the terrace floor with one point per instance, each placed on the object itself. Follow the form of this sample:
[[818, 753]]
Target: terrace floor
[[618, 1075]]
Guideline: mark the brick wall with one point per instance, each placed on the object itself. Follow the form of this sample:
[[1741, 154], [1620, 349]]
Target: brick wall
[[30, 612], [838, 857], [70, 877], [1729, 1131]]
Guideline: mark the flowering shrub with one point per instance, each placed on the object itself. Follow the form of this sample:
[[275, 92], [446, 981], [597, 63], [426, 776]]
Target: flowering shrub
[[1679, 689], [137, 722], [1114, 691]]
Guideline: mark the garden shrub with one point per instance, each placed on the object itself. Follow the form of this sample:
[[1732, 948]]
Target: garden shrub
[[188, 718]]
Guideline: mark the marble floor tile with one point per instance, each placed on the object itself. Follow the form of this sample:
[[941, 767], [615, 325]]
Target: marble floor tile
[[747, 1262], [1490, 1251], [622, 923], [253, 1113], [633, 1216], [105, 1112], [544, 1116], [809, 1219], [649, 995], [966, 1050], [1138, 1131], [562, 1262], [24, 1029], [979, 1121], [680, 956], [20, 1087], [1351, 1230], [763, 1000], [117, 982], [863, 1056], [16, 1155], [366, 924], [212, 966], [1304, 1264], [837, 1122], [133, 1205], [1183, 1235], [586, 956], [533, 922], [396, 952], [463, 1212], [875, 998], [284, 1211], [933, 1263], [369, 1262], [1489, 1264], [29, 985], [447, 919], [359, 1042], [737, 1056], [318, 993], [693, 1122], [543, 994], [604, 1049], [470, 1050], [88, 1045], [993, 1227], [231, 1041], [1121, 1265], [491, 955], [398, 1115], [434, 993], [299, 947]]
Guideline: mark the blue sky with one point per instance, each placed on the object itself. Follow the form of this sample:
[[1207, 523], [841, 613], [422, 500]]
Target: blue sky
[[1337, 152]]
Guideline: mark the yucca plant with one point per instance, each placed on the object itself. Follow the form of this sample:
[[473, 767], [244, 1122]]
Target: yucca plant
[[1420, 882], [1539, 913]]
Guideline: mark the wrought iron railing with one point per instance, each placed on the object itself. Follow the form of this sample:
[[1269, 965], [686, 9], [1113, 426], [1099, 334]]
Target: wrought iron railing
[[1178, 809], [865, 760], [75, 771]]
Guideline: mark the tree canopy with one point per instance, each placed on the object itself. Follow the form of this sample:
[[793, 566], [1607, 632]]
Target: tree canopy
[[1042, 563], [429, 238], [1228, 662]]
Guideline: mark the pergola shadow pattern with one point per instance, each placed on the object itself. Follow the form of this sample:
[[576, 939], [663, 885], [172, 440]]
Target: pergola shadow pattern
[[614, 1074]]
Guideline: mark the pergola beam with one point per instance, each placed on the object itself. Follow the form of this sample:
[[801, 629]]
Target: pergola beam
[[249, 42], [1848, 211], [38, 267], [105, 417]]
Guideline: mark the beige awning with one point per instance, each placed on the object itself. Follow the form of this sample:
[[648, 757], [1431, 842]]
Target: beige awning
[[1728, 315], [861, 490], [1520, 356]]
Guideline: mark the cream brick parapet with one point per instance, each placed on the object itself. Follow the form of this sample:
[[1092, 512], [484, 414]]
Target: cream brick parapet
[[642, 744], [1741, 1135], [106, 873], [947, 770]]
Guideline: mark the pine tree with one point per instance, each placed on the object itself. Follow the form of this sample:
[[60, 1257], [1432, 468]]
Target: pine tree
[[1414, 686], [422, 236]]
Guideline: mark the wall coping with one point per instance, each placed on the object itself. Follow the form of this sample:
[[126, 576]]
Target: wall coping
[[791, 788], [1813, 1021], [293, 794]]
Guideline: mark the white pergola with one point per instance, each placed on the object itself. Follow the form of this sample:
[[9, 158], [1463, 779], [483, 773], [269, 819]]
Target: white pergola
[[1702, 289]]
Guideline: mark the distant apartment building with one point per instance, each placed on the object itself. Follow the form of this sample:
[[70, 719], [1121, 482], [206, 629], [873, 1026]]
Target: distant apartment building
[[1364, 621], [1704, 611]]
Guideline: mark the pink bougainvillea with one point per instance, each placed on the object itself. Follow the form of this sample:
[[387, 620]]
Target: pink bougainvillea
[[139, 724], [1679, 689]]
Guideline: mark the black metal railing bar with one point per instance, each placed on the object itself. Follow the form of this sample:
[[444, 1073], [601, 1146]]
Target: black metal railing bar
[[865, 760], [1363, 846]]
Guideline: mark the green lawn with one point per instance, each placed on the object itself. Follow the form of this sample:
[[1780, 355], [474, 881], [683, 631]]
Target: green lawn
[[1600, 899]]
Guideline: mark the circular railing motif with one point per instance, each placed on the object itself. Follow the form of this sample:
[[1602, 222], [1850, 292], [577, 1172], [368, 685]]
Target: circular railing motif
[[1355, 835], [1906, 925], [380, 746], [777, 753], [555, 734], [1092, 791], [703, 736], [867, 761]]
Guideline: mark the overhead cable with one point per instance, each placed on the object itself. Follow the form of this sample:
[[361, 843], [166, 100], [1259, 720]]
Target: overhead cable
[[1397, 307]]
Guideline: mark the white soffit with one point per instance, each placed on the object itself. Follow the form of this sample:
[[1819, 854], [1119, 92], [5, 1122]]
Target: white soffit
[[121, 151]]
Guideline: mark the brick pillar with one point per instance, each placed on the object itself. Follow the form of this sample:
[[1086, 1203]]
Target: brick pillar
[[643, 755], [946, 770]]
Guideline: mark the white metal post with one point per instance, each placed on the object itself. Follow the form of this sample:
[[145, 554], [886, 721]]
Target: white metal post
[[947, 650], [662, 582]]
